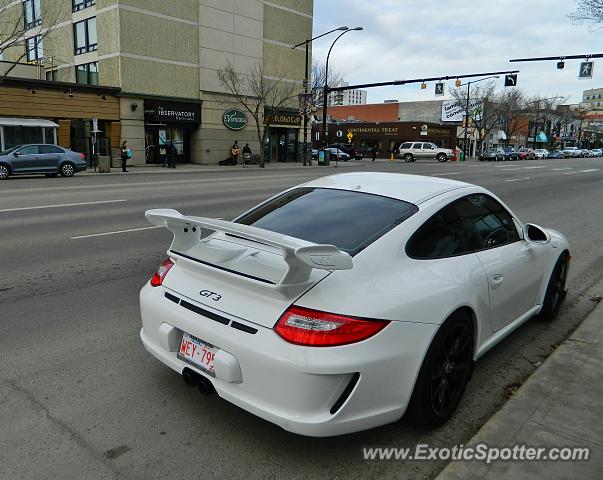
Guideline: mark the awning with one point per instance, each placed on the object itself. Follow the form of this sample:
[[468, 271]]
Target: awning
[[541, 137], [26, 122]]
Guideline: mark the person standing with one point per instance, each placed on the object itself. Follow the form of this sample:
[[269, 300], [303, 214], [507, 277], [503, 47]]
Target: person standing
[[170, 155], [234, 152], [374, 152], [246, 155], [125, 153]]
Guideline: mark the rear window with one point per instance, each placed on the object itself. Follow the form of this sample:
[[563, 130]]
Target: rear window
[[50, 149], [349, 220], [406, 145]]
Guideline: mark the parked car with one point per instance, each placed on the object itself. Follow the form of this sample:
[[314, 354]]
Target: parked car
[[541, 153], [411, 151], [510, 153], [51, 160], [348, 148], [556, 154], [573, 152], [343, 321], [495, 154], [596, 152], [526, 154], [337, 153]]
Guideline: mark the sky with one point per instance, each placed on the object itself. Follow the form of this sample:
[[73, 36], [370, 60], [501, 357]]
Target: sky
[[404, 39]]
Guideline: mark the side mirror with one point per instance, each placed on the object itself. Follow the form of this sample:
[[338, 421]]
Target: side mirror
[[16, 154], [535, 234]]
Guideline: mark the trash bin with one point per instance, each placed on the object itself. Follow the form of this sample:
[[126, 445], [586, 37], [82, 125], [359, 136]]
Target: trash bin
[[104, 164], [324, 158]]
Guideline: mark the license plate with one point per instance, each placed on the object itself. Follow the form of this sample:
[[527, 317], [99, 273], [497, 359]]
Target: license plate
[[198, 353]]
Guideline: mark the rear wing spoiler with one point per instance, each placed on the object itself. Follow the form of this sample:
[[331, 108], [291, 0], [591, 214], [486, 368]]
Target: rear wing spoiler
[[301, 256]]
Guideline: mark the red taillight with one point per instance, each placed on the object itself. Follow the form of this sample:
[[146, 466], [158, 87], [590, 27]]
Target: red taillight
[[161, 272], [313, 328], [82, 156]]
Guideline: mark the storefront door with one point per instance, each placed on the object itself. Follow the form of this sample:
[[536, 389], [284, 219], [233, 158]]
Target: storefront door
[[157, 140]]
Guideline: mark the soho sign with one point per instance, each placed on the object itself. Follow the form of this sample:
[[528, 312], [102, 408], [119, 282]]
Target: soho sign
[[235, 119]]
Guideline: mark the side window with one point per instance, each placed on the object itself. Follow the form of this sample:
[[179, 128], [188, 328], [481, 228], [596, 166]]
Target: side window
[[28, 150], [406, 145], [488, 222], [443, 235], [428, 146], [49, 149], [416, 145]]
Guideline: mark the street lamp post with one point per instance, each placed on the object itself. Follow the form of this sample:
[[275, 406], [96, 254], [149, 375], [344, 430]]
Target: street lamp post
[[467, 111], [325, 90], [306, 85]]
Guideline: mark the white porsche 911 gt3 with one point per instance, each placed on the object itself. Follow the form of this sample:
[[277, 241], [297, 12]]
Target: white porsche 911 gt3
[[343, 303]]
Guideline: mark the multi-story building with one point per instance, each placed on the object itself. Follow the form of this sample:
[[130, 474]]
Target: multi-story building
[[346, 97], [161, 60], [594, 98]]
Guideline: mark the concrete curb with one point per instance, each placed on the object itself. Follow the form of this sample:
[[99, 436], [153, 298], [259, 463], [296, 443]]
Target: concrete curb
[[558, 406]]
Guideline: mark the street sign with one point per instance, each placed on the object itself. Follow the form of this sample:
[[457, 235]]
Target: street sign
[[95, 124], [350, 135], [511, 80], [586, 70], [339, 134], [439, 89]]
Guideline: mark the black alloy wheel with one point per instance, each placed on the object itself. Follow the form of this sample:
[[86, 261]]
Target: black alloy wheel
[[408, 157], [556, 291], [445, 372]]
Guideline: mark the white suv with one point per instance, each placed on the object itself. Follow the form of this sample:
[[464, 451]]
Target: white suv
[[411, 151]]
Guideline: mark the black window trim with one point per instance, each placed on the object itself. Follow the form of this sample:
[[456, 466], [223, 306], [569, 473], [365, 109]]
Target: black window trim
[[81, 5], [32, 53], [88, 47], [88, 75], [36, 16], [514, 221]]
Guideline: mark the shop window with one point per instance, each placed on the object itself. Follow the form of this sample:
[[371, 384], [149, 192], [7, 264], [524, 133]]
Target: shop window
[[32, 13], [84, 35], [78, 5], [22, 135], [35, 49], [87, 73]]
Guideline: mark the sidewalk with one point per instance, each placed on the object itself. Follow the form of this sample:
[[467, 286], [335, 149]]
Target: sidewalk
[[192, 167], [560, 405]]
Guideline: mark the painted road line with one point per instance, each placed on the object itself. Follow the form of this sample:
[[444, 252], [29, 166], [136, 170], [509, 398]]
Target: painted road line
[[590, 170], [561, 169], [510, 169], [59, 206], [115, 233], [532, 168], [445, 174], [518, 179], [571, 173]]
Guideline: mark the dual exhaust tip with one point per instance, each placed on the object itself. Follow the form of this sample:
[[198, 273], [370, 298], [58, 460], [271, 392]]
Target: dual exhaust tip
[[194, 379]]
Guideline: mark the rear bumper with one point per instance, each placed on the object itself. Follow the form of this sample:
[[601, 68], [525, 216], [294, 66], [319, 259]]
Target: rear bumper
[[296, 387]]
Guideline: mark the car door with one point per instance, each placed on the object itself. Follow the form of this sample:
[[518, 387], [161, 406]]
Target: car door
[[49, 157], [428, 151], [25, 159], [417, 150], [514, 269]]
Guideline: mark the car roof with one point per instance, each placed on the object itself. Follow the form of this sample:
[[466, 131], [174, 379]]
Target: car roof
[[410, 188]]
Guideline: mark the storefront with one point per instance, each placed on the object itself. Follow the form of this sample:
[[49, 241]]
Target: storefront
[[168, 123], [282, 137], [17, 131], [386, 136]]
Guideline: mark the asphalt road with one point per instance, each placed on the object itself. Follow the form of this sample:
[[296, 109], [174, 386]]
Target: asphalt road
[[81, 399]]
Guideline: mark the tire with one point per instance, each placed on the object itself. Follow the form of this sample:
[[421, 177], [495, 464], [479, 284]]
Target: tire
[[441, 157], [4, 172], [52, 175], [67, 169], [555, 290], [445, 372], [408, 157]]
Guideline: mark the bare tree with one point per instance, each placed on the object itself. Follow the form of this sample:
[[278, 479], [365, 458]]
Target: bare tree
[[511, 107], [317, 82], [484, 118], [589, 12], [258, 95], [20, 23], [544, 115]]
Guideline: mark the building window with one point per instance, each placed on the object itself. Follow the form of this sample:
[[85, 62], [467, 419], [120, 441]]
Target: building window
[[81, 4], [35, 50], [87, 73], [52, 75], [84, 34], [32, 13]]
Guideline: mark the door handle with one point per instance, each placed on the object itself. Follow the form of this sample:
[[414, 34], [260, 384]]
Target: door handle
[[496, 280]]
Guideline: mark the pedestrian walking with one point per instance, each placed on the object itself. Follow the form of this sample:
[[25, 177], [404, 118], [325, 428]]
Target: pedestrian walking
[[234, 152], [374, 152], [246, 155], [126, 154], [170, 155]]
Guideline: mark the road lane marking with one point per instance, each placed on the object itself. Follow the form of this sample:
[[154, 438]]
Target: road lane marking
[[444, 174], [116, 232], [532, 168], [571, 173], [590, 170], [59, 206], [561, 169], [518, 179], [510, 169]]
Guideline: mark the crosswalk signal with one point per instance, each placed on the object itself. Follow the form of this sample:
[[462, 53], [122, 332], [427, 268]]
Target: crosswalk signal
[[511, 80]]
